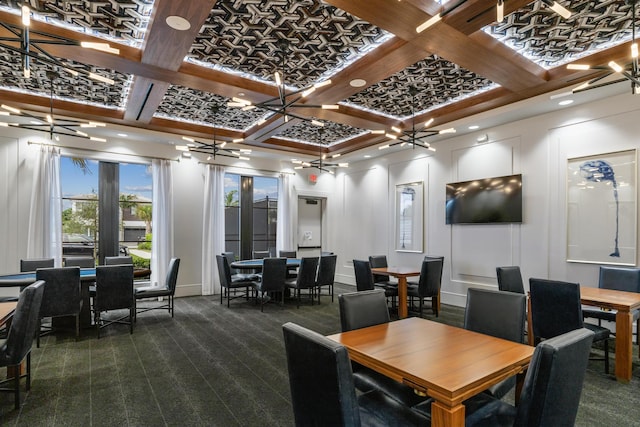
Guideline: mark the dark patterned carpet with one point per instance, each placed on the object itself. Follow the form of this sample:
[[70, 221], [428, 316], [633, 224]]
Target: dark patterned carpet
[[214, 366]]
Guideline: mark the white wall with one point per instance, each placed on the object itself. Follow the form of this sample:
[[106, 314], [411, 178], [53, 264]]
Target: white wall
[[360, 199]]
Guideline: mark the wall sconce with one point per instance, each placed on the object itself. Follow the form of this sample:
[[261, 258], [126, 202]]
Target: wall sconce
[[483, 138]]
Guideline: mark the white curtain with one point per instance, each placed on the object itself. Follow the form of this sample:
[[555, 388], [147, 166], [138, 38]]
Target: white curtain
[[45, 214], [162, 220], [212, 227], [284, 223]]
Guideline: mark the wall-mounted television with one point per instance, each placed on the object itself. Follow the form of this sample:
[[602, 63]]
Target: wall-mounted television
[[485, 201]]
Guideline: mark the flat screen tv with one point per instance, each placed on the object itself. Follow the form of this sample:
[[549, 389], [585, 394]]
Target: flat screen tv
[[485, 201]]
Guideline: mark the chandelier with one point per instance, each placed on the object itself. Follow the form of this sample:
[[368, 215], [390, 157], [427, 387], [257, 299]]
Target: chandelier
[[47, 123], [413, 137], [31, 45], [628, 71], [287, 101], [213, 149], [321, 164]]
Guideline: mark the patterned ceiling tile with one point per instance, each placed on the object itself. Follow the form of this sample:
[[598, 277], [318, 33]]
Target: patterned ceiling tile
[[76, 89], [438, 82], [195, 106], [546, 38], [327, 135], [121, 20], [243, 36]]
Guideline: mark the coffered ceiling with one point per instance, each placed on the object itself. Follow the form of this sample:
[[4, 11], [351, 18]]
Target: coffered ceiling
[[181, 82]]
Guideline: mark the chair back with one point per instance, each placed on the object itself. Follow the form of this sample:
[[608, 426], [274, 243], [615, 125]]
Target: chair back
[[499, 314], [274, 273], [231, 257], [224, 271], [261, 254], [364, 278], [378, 261], [25, 323], [435, 257], [61, 291], [362, 309], [325, 253], [555, 307], [553, 384], [430, 277], [80, 261], [620, 279], [118, 260], [114, 287], [510, 279], [172, 275], [35, 263], [320, 378], [287, 254], [327, 270], [307, 273]]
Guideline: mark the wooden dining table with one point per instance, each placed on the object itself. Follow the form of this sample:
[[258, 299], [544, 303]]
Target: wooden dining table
[[625, 303], [400, 273], [446, 363]]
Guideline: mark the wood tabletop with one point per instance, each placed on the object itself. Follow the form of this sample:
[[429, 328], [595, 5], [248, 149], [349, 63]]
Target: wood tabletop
[[448, 363], [397, 271], [609, 298], [6, 311]]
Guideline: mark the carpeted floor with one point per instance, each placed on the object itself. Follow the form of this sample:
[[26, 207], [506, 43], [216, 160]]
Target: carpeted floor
[[214, 366]]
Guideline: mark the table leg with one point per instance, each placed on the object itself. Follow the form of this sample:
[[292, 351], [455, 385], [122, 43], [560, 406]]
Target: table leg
[[624, 346], [445, 416], [402, 297]]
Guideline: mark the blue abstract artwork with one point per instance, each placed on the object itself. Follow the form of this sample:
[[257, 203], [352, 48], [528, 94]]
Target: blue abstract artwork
[[601, 171], [601, 208]]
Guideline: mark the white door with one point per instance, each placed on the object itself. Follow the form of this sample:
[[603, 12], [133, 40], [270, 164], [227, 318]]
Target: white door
[[309, 226]]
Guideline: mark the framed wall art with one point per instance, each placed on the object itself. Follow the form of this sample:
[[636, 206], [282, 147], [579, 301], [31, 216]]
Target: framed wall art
[[409, 217], [601, 208]]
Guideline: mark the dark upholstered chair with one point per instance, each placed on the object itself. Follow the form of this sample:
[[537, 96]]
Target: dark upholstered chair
[[274, 274], [261, 254], [17, 346], [118, 260], [380, 261], [114, 291], [428, 287], [499, 314], [364, 279], [167, 289], [306, 278], [326, 274], [360, 310], [551, 392], [80, 261], [235, 274], [322, 390], [556, 309], [510, 279], [326, 253], [619, 279], [291, 271], [229, 284], [61, 294], [35, 263]]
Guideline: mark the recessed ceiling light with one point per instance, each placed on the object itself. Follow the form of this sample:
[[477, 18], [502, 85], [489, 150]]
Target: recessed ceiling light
[[367, 156], [566, 102], [473, 127], [178, 23], [357, 82], [123, 135]]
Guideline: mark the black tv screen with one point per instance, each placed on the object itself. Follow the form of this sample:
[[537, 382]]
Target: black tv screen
[[485, 201]]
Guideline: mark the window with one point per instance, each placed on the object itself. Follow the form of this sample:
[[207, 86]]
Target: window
[[251, 206], [90, 197]]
